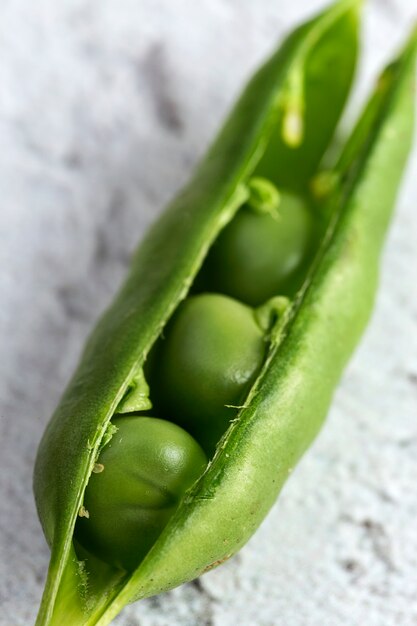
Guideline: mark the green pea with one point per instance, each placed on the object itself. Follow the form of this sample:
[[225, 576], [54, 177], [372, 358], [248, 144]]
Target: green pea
[[211, 354], [144, 472], [262, 254]]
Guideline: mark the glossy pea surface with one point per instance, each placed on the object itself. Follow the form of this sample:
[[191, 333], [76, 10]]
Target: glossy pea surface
[[212, 351], [262, 254], [143, 474]]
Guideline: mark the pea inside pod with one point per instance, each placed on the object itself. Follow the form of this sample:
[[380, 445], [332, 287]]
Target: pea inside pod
[[140, 478], [209, 357], [264, 251]]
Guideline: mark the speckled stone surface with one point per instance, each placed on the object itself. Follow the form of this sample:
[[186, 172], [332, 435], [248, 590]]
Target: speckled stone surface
[[104, 109]]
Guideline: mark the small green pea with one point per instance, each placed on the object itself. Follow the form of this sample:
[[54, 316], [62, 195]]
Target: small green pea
[[210, 356], [262, 254], [145, 470]]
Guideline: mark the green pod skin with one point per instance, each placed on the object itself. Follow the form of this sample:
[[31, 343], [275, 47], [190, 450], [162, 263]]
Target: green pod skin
[[262, 254], [209, 357], [280, 113], [139, 481]]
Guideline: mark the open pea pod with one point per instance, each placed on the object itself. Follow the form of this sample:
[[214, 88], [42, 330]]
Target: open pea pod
[[280, 129]]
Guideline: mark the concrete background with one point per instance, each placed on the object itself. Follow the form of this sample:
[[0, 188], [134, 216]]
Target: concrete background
[[104, 109]]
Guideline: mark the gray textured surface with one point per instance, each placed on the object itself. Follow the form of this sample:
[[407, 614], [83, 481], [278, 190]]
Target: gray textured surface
[[104, 108]]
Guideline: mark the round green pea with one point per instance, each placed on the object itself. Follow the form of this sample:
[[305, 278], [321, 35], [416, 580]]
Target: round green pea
[[210, 356], [143, 474], [262, 254]]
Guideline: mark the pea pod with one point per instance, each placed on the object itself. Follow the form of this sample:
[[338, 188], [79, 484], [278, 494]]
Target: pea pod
[[277, 130]]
